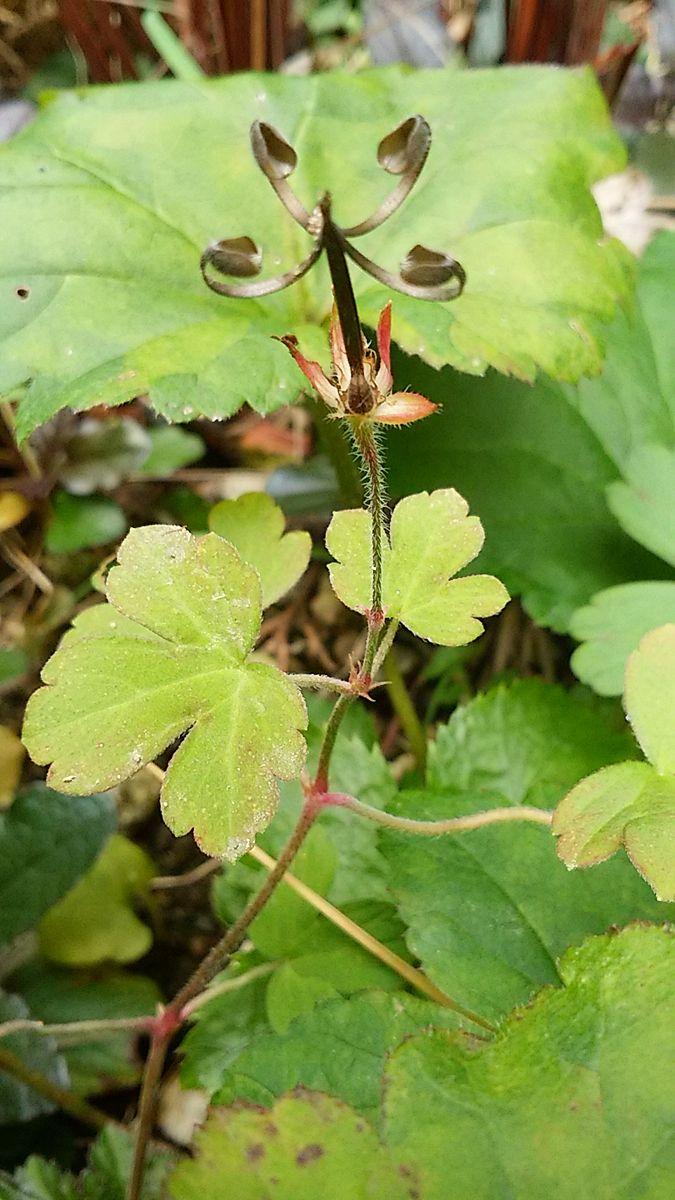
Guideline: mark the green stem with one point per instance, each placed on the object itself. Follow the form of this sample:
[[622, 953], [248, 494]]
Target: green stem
[[323, 683], [491, 816], [73, 1033], [405, 711], [63, 1099]]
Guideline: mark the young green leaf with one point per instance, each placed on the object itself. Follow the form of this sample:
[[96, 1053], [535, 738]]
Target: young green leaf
[[113, 701], [633, 804], [308, 1146], [574, 1097], [47, 842], [611, 627], [628, 804], [649, 697], [432, 537], [96, 921], [254, 524]]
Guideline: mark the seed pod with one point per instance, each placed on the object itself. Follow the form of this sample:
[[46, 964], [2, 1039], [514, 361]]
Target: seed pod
[[235, 256], [430, 268], [273, 154], [406, 147]]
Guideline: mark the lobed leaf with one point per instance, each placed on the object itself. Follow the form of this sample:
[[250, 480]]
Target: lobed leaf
[[95, 318], [341, 1045], [116, 698], [573, 1098], [432, 537], [254, 525], [307, 1145], [628, 805], [611, 627], [633, 804]]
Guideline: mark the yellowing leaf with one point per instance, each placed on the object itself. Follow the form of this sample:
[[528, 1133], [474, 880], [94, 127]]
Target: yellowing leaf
[[96, 922], [254, 524], [116, 697], [308, 1146], [432, 538]]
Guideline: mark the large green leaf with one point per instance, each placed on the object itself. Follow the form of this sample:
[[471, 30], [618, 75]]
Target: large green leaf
[[308, 1145], [432, 537], [536, 463], [489, 912], [107, 302], [47, 842], [656, 292], [574, 1098], [116, 699], [645, 504], [528, 741], [342, 1046], [611, 627]]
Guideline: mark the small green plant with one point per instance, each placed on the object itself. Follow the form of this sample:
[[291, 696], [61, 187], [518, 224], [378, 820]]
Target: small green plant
[[172, 654]]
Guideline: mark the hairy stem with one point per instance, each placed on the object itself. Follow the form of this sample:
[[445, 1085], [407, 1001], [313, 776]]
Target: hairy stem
[[323, 683], [491, 816], [76, 1032], [366, 444]]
